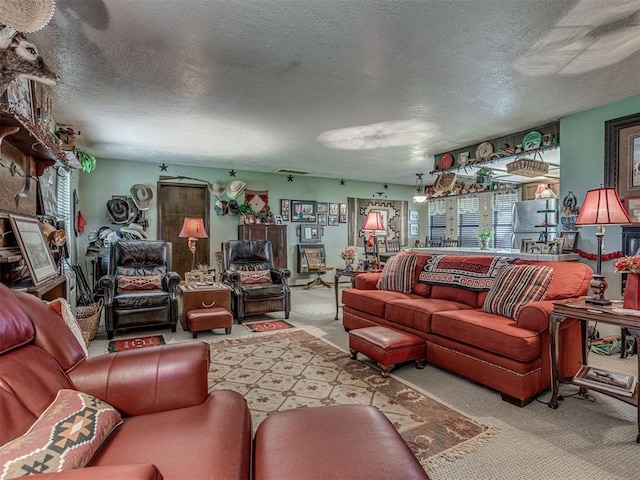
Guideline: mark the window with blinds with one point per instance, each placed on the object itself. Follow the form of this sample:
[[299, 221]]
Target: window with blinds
[[64, 204], [468, 221], [502, 207], [437, 219]]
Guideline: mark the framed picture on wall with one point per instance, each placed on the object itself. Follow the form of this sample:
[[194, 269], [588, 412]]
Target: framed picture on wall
[[632, 205], [284, 210], [342, 216], [334, 209], [322, 219], [413, 229], [34, 248], [333, 220], [622, 155], [322, 207], [414, 215], [303, 211]]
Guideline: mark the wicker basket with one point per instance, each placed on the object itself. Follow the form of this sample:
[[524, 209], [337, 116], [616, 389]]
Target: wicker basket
[[88, 318], [528, 167]]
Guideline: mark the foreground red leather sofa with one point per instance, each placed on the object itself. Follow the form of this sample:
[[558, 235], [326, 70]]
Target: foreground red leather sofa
[[172, 428], [509, 355]]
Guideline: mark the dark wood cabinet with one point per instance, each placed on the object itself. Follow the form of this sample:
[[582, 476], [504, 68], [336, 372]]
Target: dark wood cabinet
[[276, 234]]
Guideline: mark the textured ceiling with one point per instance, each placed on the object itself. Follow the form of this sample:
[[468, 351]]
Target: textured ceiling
[[358, 89]]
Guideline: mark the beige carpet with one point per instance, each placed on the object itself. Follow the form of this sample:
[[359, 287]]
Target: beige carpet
[[294, 369]]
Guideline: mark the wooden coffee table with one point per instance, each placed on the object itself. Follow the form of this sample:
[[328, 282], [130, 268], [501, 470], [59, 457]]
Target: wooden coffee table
[[203, 296]]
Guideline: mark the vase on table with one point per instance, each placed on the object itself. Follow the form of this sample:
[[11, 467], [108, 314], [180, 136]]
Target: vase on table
[[632, 292], [348, 265], [484, 243]]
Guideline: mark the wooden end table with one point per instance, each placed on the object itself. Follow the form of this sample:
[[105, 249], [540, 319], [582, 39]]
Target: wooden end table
[[352, 274], [205, 296], [587, 312]]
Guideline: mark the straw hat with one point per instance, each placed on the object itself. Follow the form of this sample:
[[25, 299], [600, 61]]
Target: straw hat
[[142, 196], [27, 15], [216, 189], [234, 188]]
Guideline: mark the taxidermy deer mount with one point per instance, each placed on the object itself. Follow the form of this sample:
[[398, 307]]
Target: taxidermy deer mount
[[19, 57]]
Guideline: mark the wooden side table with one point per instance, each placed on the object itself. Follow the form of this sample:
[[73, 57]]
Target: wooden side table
[[352, 274], [195, 297], [586, 312]]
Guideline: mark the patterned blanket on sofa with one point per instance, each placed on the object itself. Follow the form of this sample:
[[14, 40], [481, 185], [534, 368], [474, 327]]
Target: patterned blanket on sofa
[[473, 273]]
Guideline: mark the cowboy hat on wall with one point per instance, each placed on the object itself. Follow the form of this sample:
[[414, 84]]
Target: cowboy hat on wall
[[119, 211], [235, 188], [142, 196]]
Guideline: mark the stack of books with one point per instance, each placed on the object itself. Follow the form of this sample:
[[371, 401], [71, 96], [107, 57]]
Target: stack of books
[[619, 383]]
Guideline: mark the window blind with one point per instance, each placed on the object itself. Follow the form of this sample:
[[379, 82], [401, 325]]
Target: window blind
[[64, 204], [502, 207]]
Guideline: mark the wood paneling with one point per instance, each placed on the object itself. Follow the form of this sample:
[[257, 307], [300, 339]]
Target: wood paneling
[[276, 234]]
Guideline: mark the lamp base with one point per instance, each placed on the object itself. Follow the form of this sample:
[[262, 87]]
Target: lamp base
[[598, 286]]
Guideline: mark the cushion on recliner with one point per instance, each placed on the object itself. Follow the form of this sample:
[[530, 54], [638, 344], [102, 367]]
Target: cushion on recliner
[[142, 299], [136, 283]]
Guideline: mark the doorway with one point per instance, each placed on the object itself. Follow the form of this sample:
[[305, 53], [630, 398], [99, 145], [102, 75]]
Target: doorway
[[175, 202]]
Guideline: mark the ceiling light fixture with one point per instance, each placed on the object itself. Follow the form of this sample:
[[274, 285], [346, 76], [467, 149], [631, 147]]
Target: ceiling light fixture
[[420, 196]]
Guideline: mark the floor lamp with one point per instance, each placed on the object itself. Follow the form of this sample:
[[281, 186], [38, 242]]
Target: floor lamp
[[193, 229], [373, 222], [601, 207]]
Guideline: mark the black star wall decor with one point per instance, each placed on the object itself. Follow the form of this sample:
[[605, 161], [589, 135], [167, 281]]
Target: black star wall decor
[[386, 186], [289, 178], [163, 167], [342, 182], [232, 173]]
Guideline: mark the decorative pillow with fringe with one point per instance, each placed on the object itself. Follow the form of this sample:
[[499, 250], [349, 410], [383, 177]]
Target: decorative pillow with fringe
[[398, 274]]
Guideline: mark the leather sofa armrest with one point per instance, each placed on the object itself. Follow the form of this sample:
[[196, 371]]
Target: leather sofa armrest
[[108, 283], [367, 281], [280, 275], [148, 380], [106, 472], [171, 281]]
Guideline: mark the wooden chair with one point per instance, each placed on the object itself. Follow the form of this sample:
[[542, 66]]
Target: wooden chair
[[316, 265], [436, 242], [450, 242], [392, 246]]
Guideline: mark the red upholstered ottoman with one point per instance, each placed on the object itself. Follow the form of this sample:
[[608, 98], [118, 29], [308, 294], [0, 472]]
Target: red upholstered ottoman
[[387, 347], [203, 319], [337, 441]]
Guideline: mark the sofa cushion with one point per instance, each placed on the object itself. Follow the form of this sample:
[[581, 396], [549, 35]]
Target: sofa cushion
[[62, 308], [66, 436], [475, 273], [420, 288], [515, 286], [255, 277], [570, 279], [489, 332], [397, 274], [416, 313], [135, 283], [371, 301]]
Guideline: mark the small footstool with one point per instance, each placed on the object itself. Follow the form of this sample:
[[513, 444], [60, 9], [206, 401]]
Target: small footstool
[[209, 318], [387, 347]]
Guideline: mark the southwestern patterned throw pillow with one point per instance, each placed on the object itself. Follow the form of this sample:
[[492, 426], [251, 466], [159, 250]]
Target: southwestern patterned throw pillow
[[255, 277], [66, 436], [397, 274], [128, 284], [515, 286], [472, 273]]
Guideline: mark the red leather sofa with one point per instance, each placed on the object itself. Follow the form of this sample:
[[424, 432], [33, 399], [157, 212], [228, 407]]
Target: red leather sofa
[[172, 427], [510, 356]]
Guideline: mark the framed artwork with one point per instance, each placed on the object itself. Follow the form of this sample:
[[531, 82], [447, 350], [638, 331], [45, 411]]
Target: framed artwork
[[322, 207], [310, 233], [333, 220], [414, 215], [284, 210], [278, 219], [303, 211], [463, 158], [622, 155], [413, 229], [208, 278], [249, 219], [342, 216], [19, 95], [555, 246], [47, 189], [41, 106], [193, 277], [570, 241], [632, 205], [322, 219], [33, 247], [334, 209], [524, 242]]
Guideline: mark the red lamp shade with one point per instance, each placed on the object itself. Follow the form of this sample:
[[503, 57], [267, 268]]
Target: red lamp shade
[[193, 228], [602, 206], [373, 221]]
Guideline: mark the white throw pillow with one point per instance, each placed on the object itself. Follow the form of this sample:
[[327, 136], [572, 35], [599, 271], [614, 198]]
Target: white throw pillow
[[72, 323]]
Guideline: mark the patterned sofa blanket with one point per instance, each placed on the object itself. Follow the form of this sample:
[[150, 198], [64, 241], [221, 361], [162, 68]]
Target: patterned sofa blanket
[[475, 273]]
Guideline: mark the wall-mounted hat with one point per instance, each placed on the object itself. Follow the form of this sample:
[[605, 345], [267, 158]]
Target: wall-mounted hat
[[27, 15], [134, 230], [119, 210], [234, 188], [216, 189], [233, 207], [142, 196], [221, 207]]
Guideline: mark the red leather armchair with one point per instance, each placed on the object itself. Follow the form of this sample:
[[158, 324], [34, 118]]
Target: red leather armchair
[[172, 427]]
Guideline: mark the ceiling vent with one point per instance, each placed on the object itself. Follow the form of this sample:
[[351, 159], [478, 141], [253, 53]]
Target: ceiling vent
[[287, 171]]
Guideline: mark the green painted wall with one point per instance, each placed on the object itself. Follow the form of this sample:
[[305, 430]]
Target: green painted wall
[[112, 177], [582, 168]]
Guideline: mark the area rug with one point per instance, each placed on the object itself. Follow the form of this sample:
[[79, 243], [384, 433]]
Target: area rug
[[267, 325], [133, 343], [292, 369]]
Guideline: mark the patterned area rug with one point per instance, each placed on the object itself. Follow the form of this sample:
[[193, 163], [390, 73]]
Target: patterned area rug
[[268, 325], [133, 343], [293, 369]]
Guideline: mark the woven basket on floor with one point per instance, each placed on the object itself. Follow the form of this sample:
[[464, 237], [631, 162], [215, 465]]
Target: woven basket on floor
[[88, 318]]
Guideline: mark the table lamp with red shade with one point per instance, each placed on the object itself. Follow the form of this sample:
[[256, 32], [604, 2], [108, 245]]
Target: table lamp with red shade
[[193, 229]]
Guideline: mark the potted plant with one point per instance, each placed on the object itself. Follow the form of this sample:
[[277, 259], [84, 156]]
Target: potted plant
[[484, 236], [483, 176]]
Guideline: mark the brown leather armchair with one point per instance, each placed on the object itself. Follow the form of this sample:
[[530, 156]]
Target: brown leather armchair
[[172, 427], [269, 293], [140, 290]]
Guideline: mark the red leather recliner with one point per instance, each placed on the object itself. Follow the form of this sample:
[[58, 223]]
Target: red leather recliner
[[173, 428]]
